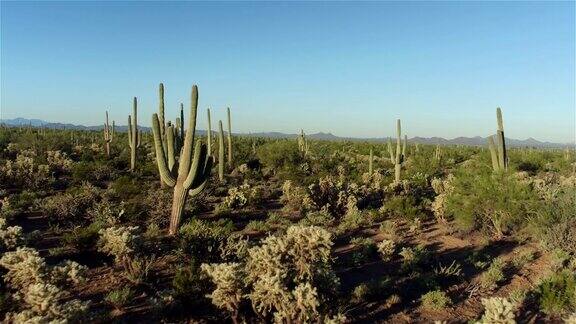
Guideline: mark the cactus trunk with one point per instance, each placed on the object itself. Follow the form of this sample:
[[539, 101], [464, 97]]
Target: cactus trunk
[[370, 166], [398, 160], [493, 153], [133, 135], [209, 133], [220, 152], [229, 139], [178, 201]]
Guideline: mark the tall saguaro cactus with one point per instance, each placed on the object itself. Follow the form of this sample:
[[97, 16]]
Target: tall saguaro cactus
[[229, 139], [108, 134], [398, 156], [134, 136], [194, 164], [220, 152], [209, 133], [498, 152]]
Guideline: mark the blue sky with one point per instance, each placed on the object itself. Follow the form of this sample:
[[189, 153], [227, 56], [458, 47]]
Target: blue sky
[[347, 68]]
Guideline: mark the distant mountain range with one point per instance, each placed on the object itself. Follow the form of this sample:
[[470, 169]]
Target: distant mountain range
[[469, 141]]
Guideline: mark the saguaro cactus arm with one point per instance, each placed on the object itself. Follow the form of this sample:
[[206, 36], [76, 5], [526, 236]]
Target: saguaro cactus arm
[[493, 153], [165, 173], [209, 133], [502, 156]]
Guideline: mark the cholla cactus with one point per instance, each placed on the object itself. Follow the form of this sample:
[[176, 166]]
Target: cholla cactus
[[294, 197], [58, 161], [228, 280], [236, 197], [386, 249], [68, 272], [23, 171], [10, 236], [118, 241], [443, 188], [35, 284], [25, 267], [497, 310], [301, 256]]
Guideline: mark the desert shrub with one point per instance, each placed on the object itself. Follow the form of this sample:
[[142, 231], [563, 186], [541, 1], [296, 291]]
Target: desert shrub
[[494, 203], [557, 293], [318, 218], [497, 310], [120, 297], [555, 224], [137, 269], [490, 278], [364, 250], [281, 155], [257, 226], [71, 206], [370, 290], [82, 237], [452, 271], [402, 207], [120, 242], [126, 187], [413, 256], [190, 285], [201, 238], [157, 204], [435, 300], [386, 248], [352, 220]]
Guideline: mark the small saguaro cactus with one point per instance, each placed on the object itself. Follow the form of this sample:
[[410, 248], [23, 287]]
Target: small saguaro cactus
[[398, 156], [209, 133], [370, 163], [498, 150], [220, 152], [438, 153], [134, 136], [404, 146], [302, 143], [229, 139], [108, 134], [190, 175]]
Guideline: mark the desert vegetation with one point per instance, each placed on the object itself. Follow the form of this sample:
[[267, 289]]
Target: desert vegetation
[[166, 225]]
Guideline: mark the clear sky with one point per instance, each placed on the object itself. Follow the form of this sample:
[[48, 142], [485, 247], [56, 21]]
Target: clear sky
[[350, 68]]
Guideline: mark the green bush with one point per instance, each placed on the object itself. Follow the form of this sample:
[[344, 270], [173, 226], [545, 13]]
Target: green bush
[[557, 294], [495, 203], [435, 300]]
